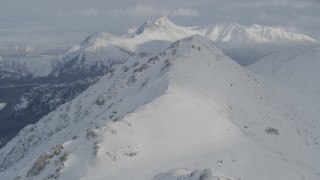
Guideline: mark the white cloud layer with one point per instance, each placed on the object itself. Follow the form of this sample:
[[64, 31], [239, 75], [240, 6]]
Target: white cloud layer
[[138, 10], [183, 12], [271, 3]]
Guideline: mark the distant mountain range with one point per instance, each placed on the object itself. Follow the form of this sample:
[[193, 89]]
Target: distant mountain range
[[93, 55], [163, 28]]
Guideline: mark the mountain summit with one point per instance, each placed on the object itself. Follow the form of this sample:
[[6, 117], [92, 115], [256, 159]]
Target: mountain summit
[[159, 23], [163, 29]]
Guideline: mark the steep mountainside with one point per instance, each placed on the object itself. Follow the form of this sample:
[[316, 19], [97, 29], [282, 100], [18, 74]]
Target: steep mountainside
[[187, 107]]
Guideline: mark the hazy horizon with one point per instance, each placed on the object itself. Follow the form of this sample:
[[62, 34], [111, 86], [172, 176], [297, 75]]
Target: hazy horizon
[[119, 15]]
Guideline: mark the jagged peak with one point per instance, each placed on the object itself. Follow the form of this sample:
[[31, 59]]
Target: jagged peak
[[162, 22]]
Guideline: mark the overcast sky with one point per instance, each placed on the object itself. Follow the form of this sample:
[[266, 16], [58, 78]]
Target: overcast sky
[[119, 15]]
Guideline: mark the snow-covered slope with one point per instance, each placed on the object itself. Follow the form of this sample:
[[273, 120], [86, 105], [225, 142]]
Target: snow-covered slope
[[294, 74], [187, 107], [295, 68]]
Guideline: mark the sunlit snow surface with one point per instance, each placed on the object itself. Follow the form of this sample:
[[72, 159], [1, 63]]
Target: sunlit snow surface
[[189, 107]]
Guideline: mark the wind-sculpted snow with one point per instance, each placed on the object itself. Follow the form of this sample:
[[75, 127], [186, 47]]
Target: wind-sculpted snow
[[189, 106]]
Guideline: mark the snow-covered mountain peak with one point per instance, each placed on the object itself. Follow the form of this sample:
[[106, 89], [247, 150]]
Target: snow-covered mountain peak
[[163, 29], [162, 22], [99, 39], [94, 38]]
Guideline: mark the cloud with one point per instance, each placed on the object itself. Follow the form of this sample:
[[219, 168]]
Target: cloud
[[141, 10], [271, 3], [85, 13], [262, 16], [183, 12], [137, 11]]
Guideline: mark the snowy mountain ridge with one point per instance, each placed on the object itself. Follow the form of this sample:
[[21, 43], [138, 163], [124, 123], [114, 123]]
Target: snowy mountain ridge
[[189, 106], [223, 32]]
